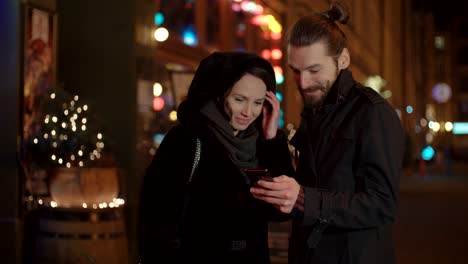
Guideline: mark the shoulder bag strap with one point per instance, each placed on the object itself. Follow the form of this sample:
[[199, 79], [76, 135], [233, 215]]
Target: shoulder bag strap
[[180, 226]]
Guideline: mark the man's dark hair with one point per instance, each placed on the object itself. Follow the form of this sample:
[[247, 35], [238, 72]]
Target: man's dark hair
[[319, 27]]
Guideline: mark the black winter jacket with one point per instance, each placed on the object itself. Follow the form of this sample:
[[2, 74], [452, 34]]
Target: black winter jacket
[[223, 223], [350, 156]]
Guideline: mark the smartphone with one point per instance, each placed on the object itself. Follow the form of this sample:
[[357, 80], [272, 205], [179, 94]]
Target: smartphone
[[258, 174]]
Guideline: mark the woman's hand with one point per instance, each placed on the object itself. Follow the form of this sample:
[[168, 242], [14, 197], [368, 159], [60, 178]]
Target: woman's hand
[[270, 115]]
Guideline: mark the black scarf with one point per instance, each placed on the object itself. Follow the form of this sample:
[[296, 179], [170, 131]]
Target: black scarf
[[241, 149]]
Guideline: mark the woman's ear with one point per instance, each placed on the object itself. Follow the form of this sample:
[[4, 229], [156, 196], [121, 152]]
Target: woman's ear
[[344, 59]]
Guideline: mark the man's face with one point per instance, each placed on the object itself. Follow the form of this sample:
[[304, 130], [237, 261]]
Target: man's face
[[314, 71]]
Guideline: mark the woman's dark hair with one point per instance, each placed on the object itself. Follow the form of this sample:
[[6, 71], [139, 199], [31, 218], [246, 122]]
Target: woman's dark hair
[[260, 73], [319, 27]]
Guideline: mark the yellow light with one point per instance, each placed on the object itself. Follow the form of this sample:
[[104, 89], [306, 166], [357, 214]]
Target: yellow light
[[81, 163], [80, 152], [36, 141], [161, 34], [274, 26], [157, 89], [54, 119], [65, 112], [60, 161], [85, 107], [85, 205], [53, 204], [435, 126], [173, 115], [78, 110], [448, 126], [84, 120], [52, 96], [75, 98], [64, 125], [83, 127]]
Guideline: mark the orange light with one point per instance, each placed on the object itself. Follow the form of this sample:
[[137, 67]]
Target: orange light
[[276, 54], [275, 35], [278, 70]]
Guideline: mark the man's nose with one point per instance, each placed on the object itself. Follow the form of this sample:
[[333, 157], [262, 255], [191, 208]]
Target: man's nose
[[303, 80]]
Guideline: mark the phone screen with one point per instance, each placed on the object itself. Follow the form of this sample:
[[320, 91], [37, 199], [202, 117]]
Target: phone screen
[[258, 174]]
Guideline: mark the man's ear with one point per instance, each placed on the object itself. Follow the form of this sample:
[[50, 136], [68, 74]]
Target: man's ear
[[344, 59]]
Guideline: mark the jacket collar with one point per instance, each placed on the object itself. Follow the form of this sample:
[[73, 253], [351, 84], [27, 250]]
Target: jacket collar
[[341, 88], [338, 92]]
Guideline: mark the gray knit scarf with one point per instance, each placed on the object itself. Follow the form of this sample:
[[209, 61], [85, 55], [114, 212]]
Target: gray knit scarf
[[241, 149]]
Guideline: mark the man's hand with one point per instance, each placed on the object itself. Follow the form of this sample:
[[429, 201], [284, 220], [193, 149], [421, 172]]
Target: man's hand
[[270, 118], [282, 192]]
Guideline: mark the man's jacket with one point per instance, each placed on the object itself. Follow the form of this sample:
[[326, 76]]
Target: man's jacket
[[349, 163]]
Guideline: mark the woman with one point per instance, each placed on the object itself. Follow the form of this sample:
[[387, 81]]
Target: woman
[[232, 109]]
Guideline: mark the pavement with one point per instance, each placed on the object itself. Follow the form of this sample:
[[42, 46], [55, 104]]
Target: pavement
[[436, 179]]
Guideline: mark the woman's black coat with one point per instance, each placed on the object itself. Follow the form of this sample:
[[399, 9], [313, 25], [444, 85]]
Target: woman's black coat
[[223, 223]]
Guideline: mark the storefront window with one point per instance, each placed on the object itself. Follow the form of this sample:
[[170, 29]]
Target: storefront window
[[180, 19]]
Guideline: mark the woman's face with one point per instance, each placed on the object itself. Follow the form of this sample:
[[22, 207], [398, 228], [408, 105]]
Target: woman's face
[[244, 102]]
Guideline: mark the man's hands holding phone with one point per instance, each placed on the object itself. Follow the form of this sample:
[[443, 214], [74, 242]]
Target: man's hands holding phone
[[281, 192]]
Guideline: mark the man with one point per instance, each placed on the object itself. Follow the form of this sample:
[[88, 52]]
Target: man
[[344, 196]]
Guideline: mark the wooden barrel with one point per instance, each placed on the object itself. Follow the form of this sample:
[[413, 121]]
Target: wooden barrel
[[81, 236]]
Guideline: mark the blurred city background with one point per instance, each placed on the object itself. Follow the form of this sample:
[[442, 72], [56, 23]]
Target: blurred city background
[[90, 87]]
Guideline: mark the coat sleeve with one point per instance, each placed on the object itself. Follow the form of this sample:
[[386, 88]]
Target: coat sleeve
[[162, 191], [377, 161]]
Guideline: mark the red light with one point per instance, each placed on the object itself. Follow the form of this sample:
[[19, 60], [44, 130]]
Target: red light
[[158, 104], [266, 54]]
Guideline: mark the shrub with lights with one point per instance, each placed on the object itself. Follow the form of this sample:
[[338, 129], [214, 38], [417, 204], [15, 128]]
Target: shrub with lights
[[65, 135]]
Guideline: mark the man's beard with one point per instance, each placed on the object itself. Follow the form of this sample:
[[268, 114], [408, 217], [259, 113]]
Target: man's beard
[[316, 100]]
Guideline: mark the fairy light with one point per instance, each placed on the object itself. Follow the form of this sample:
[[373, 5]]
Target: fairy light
[[99, 136]]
